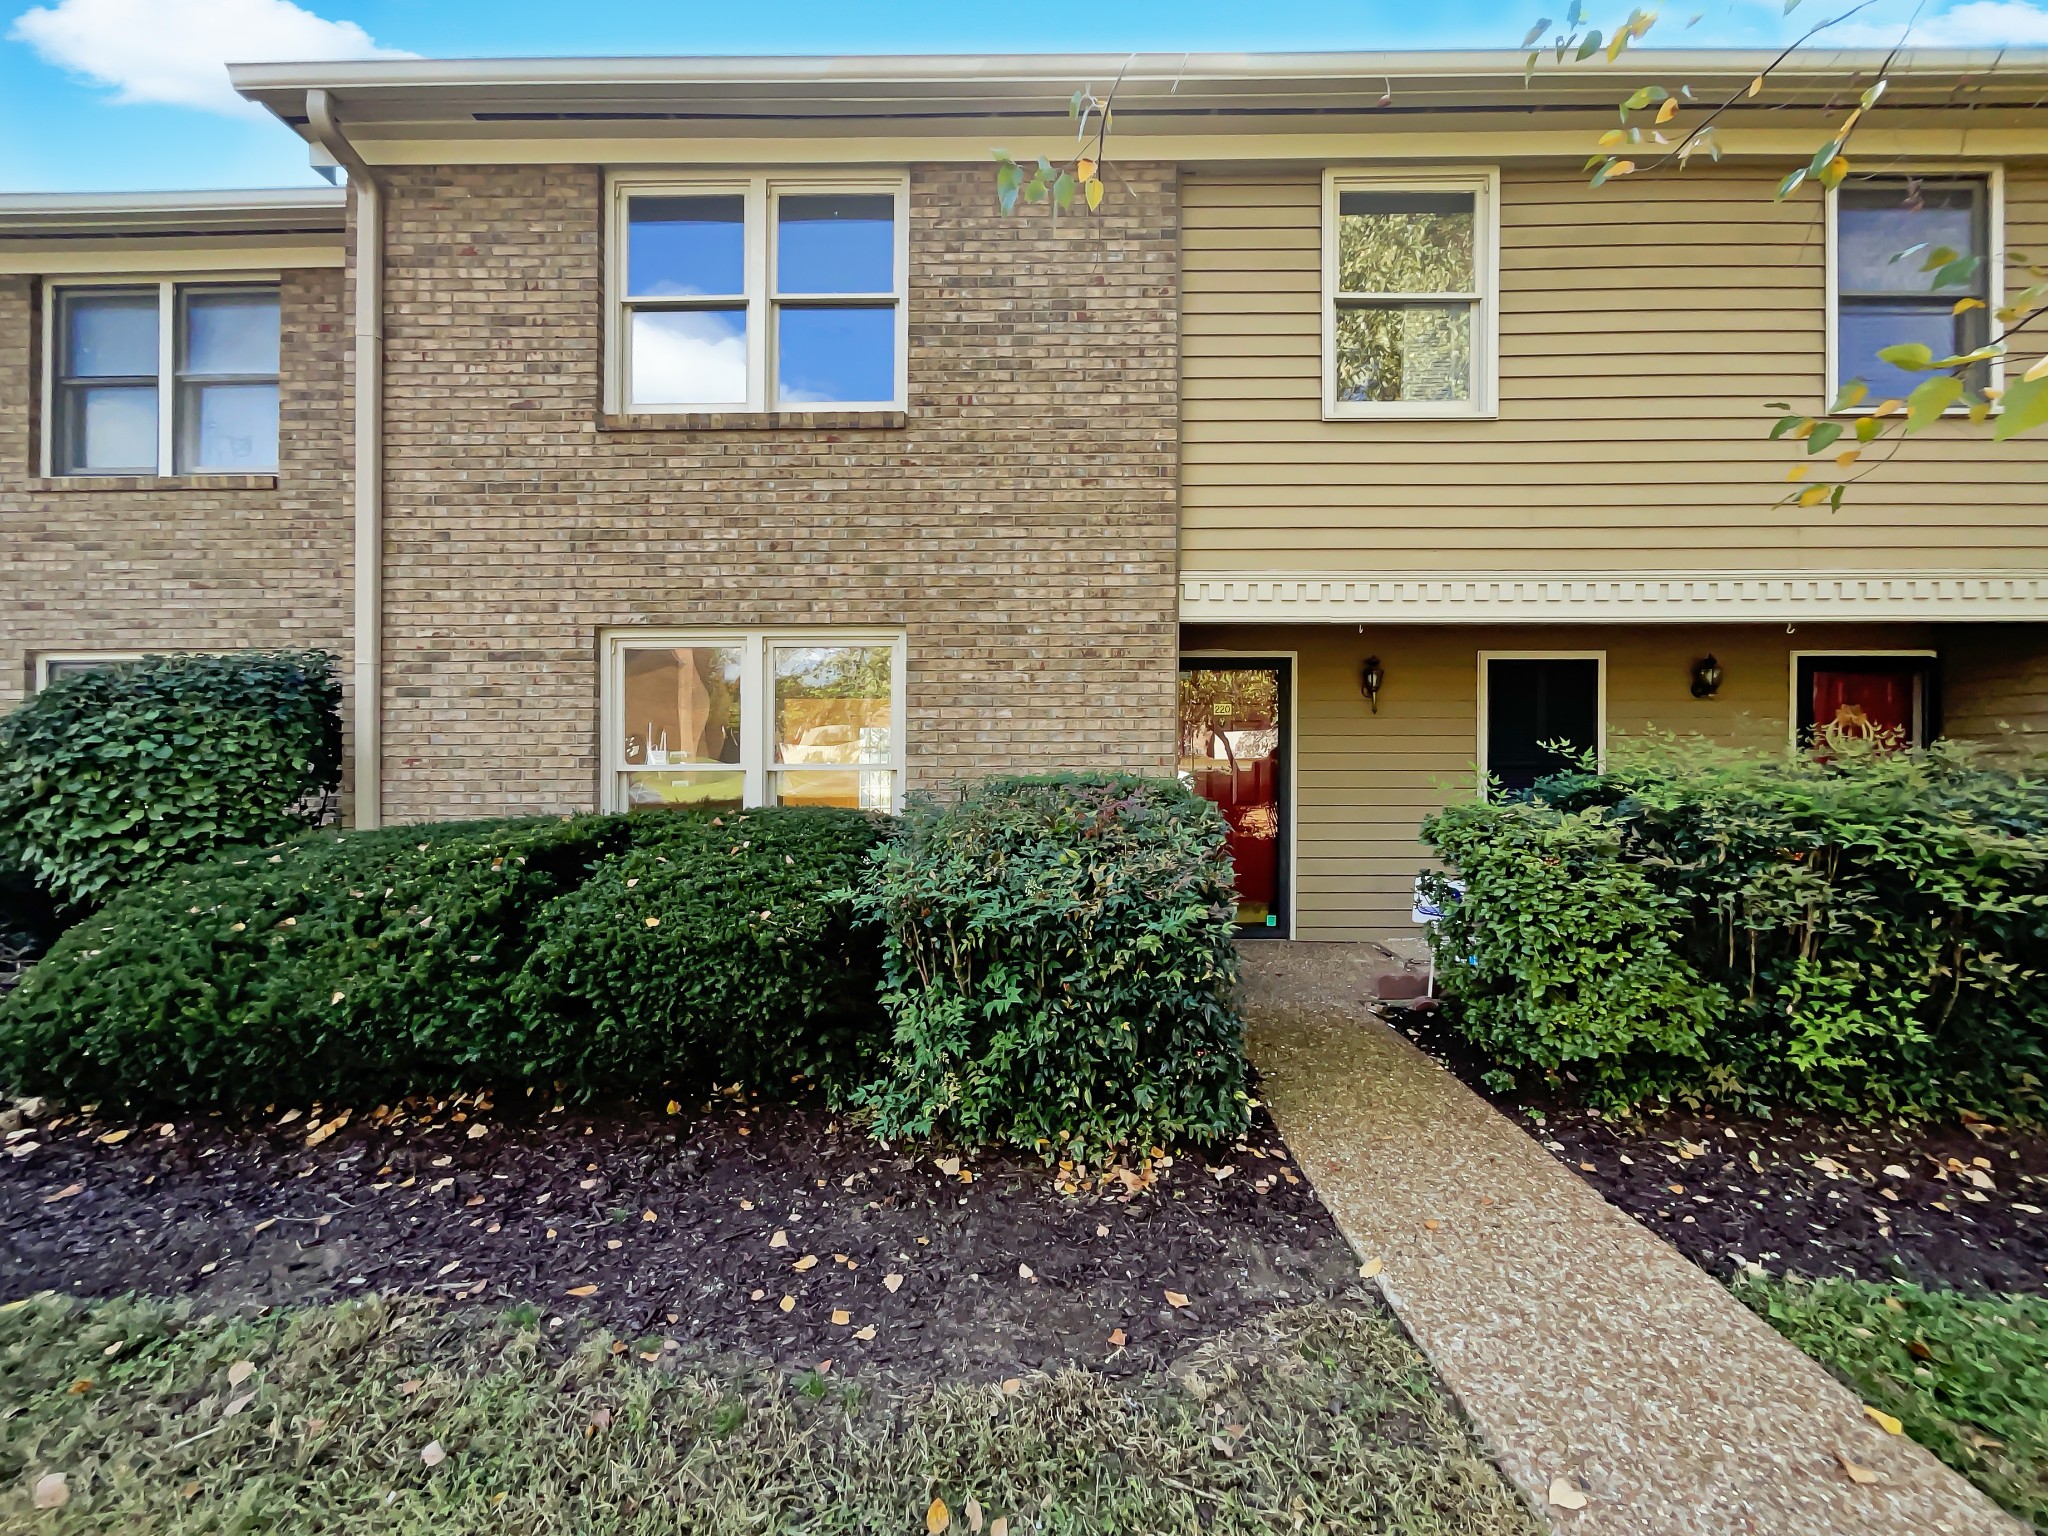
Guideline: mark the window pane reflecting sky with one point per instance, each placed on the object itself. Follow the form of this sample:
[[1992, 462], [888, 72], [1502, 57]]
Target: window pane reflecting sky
[[836, 355]]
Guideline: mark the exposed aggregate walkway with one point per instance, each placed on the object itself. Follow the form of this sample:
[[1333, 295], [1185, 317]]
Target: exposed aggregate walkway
[[1582, 1346]]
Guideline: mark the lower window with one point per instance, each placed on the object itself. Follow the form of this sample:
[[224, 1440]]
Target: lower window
[[717, 720], [1890, 698], [1539, 714]]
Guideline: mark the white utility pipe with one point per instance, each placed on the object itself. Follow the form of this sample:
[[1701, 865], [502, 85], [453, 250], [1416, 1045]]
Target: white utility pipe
[[369, 458]]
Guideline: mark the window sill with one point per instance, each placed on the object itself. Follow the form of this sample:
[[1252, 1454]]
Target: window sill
[[1398, 413], [100, 484], [757, 421]]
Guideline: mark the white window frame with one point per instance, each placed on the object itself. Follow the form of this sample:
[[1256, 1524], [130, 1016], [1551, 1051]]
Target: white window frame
[[44, 659], [1484, 185], [1853, 653], [1485, 657], [757, 701], [167, 287], [1993, 173], [763, 304]]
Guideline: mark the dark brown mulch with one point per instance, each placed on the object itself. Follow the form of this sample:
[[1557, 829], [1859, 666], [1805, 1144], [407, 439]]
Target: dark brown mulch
[[673, 1218], [1960, 1207]]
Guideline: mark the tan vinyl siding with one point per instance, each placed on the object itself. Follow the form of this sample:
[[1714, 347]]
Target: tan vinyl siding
[[1642, 328], [1365, 781]]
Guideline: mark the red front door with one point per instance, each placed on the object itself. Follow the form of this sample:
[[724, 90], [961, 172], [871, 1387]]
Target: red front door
[[1233, 731]]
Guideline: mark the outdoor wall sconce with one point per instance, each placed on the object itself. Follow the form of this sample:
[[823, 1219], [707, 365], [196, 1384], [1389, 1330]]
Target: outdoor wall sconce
[[1706, 678], [1369, 680]]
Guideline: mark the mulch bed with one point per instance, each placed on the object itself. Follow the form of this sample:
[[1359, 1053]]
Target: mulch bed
[[1950, 1206], [693, 1225]]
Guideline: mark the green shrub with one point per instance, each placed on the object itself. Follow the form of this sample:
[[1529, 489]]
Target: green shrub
[[1866, 930], [1559, 953], [1058, 960], [722, 946], [111, 776], [360, 962]]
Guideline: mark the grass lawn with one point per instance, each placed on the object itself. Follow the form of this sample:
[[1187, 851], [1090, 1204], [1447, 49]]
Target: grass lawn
[[405, 1416], [1966, 1375]]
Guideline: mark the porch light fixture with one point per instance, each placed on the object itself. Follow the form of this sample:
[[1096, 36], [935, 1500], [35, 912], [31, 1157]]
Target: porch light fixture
[[1706, 677], [1369, 680]]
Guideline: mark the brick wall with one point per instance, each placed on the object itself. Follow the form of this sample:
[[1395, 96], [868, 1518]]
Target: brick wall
[[1020, 525], [201, 564]]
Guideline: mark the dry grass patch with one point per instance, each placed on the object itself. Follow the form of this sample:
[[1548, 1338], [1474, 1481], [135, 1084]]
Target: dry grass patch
[[402, 1417]]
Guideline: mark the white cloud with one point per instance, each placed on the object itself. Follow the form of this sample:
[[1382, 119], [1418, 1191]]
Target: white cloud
[[1973, 24], [176, 52]]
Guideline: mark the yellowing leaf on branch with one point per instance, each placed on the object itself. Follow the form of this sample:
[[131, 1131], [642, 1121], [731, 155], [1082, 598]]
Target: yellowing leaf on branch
[[1084, 169], [1848, 457], [1797, 471], [1669, 110], [1966, 304], [1756, 85], [1092, 190], [1812, 495]]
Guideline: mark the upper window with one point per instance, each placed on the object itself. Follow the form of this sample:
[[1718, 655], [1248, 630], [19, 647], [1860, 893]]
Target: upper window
[[1887, 228], [758, 294], [1409, 322], [163, 378], [722, 719]]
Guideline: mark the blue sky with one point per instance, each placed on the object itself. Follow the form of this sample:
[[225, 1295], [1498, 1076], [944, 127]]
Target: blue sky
[[104, 95]]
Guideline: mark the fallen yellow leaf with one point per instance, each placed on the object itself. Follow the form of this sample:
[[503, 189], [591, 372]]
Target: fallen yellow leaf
[[1856, 1472], [582, 1290], [865, 1333], [115, 1138], [892, 1283], [779, 1240], [1370, 1269], [808, 1261], [1565, 1494], [938, 1518], [1883, 1420], [788, 1303], [841, 1317], [1176, 1299]]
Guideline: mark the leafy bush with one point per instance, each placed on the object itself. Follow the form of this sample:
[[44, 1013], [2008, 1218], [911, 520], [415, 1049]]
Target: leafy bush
[[111, 776], [1560, 950], [362, 961], [1856, 929], [1058, 960], [725, 946]]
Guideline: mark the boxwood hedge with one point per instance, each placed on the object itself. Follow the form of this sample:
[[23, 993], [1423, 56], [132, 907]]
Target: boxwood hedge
[[111, 776], [722, 947]]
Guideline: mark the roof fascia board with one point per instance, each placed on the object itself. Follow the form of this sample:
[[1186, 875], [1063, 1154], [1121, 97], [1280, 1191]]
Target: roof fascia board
[[1501, 146]]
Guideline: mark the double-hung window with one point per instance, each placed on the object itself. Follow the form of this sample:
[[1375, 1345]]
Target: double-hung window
[[1886, 230], [1410, 325], [758, 294], [163, 378], [719, 719]]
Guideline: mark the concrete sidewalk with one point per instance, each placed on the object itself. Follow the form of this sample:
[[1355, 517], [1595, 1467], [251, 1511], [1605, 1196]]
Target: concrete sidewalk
[[1582, 1345]]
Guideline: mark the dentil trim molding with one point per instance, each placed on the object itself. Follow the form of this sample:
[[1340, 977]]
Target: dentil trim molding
[[1241, 597]]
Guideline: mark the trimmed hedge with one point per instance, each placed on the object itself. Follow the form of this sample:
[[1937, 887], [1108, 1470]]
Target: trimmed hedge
[[722, 947], [1058, 959], [367, 962], [109, 777], [1862, 930]]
